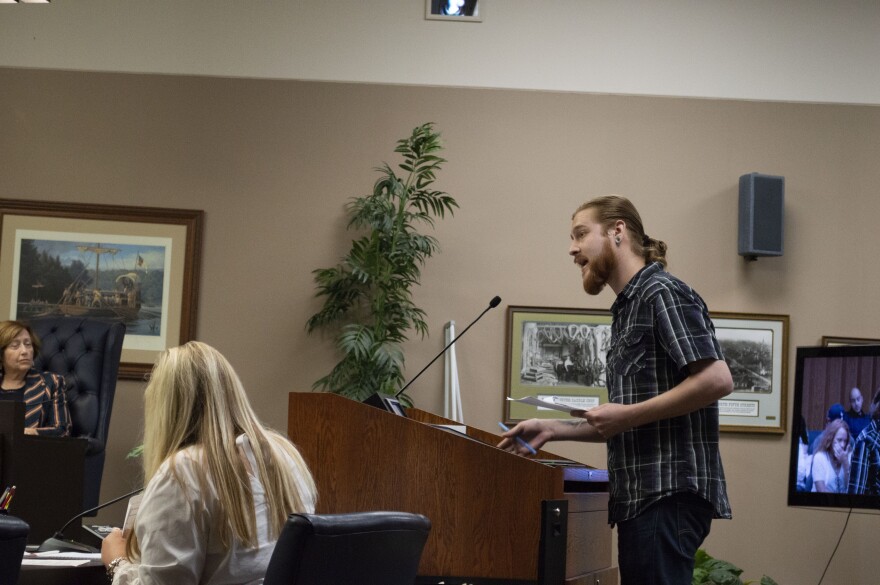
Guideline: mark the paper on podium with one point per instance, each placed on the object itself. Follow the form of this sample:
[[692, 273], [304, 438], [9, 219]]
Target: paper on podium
[[31, 562], [561, 406], [59, 559]]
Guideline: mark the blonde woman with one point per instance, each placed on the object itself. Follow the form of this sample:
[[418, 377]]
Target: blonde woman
[[219, 485]]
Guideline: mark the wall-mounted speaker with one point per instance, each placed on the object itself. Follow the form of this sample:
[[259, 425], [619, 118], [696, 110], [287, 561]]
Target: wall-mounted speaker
[[761, 214]]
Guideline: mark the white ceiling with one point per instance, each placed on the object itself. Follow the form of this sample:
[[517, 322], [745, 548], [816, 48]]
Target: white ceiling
[[789, 50]]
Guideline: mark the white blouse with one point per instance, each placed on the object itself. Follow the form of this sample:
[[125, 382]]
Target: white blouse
[[823, 470], [179, 531]]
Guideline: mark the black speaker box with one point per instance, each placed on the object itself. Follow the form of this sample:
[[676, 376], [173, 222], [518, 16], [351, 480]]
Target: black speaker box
[[761, 214]]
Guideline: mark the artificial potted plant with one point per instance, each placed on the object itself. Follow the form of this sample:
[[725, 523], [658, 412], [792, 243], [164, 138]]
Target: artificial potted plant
[[711, 571], [368, 295]]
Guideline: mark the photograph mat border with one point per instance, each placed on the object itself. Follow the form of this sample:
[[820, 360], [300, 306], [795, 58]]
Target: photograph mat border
[[774, 403], [513, 388]]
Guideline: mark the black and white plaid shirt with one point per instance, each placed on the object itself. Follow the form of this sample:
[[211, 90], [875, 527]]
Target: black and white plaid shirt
[[660, 325], [864, 475]]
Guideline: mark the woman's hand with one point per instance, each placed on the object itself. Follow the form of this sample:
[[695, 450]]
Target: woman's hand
[[841, 454], [838, 452], [113, 546]]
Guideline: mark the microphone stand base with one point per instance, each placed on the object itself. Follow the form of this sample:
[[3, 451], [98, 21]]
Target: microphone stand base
[[387, 403], [64, 545]]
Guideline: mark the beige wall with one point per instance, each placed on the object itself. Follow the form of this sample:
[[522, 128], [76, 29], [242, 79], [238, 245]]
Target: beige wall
[[273, 162]]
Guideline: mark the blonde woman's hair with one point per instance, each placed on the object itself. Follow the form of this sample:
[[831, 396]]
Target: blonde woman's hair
[[612, 208], [195, 398]]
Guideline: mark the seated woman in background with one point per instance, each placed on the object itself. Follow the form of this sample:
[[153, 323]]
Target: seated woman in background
[[219, 485], [44, 394], [831, 459]]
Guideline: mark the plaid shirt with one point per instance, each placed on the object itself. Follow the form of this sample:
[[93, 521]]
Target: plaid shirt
[[864, 475], [659, 326]]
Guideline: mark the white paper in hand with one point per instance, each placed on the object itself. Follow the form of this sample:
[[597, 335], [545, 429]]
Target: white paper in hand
[[130, 514], [555, 405]]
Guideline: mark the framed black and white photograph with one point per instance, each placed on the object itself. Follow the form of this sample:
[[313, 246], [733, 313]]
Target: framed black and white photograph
[[755, 348], [556, 355]]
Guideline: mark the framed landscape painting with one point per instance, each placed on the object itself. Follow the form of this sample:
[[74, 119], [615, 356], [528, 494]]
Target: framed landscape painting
[[137, 265]]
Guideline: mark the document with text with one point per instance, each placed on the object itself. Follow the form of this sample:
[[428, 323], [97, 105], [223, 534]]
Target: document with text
[[558, 405]]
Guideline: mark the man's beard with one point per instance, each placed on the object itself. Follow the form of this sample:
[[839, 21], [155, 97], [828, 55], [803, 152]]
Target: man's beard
[[600, 270]]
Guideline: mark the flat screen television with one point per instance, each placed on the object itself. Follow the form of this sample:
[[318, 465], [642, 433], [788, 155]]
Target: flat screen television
[[825, 379]]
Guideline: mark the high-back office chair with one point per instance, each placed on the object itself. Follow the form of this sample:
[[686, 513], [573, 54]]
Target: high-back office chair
[[13, 539], [86, 352], [367, 548]]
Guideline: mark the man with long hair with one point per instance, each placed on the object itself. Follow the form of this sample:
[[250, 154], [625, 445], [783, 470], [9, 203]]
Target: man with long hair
[[665, 374], [219, 485]]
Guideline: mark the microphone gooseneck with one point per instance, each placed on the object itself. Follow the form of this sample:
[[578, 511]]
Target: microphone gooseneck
[[61, 544], [496, 300]]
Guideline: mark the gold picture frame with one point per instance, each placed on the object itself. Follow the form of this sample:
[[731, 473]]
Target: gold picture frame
[[755, 348], [539, 339], [828, 341]]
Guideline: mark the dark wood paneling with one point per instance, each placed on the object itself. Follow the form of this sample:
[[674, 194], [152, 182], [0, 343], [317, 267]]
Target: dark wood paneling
[[830, 380]]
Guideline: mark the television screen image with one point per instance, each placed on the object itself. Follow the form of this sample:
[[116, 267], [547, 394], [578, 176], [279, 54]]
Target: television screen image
[[835, 443]]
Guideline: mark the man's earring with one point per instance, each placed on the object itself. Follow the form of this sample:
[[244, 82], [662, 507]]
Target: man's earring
[[617, 240]]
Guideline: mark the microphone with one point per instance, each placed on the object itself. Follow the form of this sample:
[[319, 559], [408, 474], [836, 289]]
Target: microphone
[[390, 403], [61, 544]]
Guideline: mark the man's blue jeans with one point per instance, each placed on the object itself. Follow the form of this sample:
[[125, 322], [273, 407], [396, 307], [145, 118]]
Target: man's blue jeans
[[658, 546]]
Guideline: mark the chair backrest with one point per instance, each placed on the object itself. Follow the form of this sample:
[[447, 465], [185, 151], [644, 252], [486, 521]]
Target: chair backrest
[[87, 353], [367, 548], [13, 539]]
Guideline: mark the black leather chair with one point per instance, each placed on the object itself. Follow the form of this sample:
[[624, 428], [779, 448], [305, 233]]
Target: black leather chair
[[362, 548], [13, 538], [86, 352]]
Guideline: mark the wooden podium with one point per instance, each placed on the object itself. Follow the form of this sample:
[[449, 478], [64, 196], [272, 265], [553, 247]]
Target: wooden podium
[[496, 517], [47, 473]]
